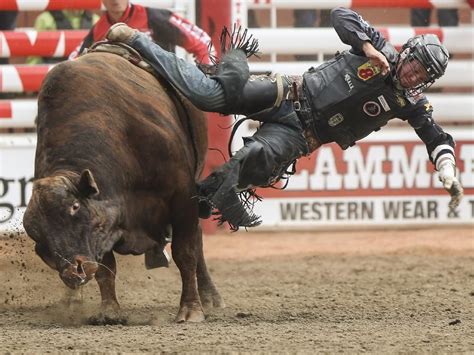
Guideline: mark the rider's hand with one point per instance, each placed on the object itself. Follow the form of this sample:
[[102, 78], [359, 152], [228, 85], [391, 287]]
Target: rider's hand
[[447, 175], [376, 58]]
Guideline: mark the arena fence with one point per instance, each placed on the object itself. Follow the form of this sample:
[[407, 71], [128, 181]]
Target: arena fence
[[42, 5], [327, 4], [452, 108], [385, 179], [28, 78], [240, 7], [278, 40]]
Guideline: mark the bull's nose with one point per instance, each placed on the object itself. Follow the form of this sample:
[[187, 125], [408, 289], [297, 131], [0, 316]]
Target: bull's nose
[[72, 277], [72, 280], [79, 271], [85, 268]]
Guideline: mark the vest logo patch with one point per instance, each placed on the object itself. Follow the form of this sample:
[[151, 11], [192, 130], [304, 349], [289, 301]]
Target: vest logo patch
[[372, 109], [367, 71], [384, 103], [401, 101], [348, 80], [335, 120]]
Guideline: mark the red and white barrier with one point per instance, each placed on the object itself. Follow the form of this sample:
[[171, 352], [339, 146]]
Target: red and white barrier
[[28, 78], [22, 78], [448, 108], [325, 40], [328, 4], [43, 43], [279, 40], [18, 113], [41, 5]]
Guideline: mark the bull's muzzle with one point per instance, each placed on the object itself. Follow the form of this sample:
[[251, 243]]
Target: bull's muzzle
[[79, 272]]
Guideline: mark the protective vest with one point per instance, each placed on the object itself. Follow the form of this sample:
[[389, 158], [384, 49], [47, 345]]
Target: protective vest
[[349, 99]]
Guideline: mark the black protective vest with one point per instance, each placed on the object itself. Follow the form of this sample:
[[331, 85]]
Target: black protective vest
[[349, 98]]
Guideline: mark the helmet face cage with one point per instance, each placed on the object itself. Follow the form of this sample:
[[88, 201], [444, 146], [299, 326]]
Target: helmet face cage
[[427, 50]]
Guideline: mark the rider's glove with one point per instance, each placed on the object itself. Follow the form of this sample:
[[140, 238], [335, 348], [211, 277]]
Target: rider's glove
[[447, 175]]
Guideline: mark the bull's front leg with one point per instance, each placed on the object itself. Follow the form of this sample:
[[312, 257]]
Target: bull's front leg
[[184, 249], [110, 312], [210, 297]]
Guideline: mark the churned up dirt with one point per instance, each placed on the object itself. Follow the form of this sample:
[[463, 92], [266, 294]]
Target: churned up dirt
[[348, 291]]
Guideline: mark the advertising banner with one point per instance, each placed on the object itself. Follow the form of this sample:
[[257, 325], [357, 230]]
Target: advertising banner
[[386, 179], [17, 156]]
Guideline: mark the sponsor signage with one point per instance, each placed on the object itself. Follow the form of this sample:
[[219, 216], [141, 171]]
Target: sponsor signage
[[384, 180], [17, 156]]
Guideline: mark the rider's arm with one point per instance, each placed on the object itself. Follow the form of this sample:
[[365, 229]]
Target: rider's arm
[[440, 146], [354, 31], [170, 28], [365, 40]]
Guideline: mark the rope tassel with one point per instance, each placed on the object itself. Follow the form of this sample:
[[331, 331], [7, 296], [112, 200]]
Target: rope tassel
[[237, 39]]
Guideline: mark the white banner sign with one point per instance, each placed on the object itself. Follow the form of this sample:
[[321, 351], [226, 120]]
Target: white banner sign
[[305, 213], [384, 180], [17, 156]]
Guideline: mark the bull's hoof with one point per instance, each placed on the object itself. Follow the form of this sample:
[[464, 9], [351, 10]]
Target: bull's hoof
[[211, 300], [190, 313], [105, 319], [110, 314]]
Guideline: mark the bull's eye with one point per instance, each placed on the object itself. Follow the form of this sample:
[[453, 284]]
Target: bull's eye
[[75, 207]]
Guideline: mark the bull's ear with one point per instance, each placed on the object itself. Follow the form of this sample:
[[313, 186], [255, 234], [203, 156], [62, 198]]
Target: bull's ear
[[87, 186]]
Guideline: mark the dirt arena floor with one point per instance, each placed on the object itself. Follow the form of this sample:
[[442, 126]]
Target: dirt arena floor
[[365, 291]]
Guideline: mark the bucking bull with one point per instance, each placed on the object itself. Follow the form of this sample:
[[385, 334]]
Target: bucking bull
[[117, 157]]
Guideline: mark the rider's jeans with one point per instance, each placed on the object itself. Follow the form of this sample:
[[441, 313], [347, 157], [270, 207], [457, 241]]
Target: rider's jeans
[[204, 92]]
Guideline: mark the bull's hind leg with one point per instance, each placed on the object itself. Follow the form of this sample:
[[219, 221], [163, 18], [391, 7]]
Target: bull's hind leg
[[110, 312], [184, 247], [210, 297]]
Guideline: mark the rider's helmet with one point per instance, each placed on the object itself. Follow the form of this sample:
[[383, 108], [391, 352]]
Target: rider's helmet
[[428, 50]]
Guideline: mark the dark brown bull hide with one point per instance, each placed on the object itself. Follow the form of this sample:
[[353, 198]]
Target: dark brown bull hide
[[116, 163]]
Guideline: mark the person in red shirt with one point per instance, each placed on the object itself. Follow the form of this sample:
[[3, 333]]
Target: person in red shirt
[[164, 27]]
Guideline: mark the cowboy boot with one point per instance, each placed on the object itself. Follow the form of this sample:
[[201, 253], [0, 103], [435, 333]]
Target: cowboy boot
[[229, 205], [208, 187], [219, 190], [262, 93]]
